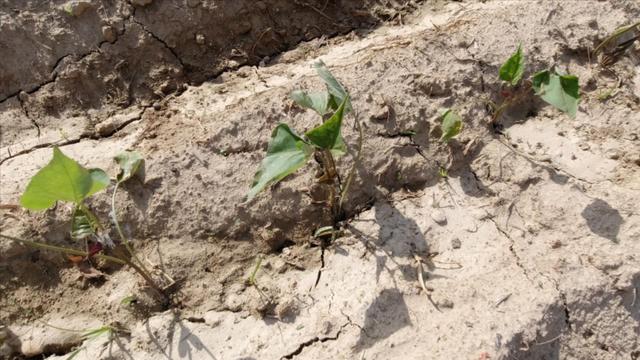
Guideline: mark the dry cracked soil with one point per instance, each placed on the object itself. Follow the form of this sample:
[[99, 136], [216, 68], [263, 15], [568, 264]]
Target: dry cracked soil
[[528, 249]]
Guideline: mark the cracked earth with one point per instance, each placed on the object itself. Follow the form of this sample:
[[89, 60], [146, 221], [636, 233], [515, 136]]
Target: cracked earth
[[528, 250]]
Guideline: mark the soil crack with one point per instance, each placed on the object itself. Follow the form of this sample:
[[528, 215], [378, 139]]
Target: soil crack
[[512, 243], [159, 39], [314, 340], [90, 136]]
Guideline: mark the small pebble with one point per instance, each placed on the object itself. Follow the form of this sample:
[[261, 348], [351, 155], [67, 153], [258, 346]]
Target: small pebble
[[77, 8], [445, 303], [584, 146], [193, 3], [456, 243], [200, 39], [613, 154], [439, 217], [109, 34]]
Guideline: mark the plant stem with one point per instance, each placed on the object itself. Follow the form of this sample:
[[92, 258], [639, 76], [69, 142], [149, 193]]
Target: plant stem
[[331, 172], [124, 239], [123, 260], [39, 245], [352, 172]]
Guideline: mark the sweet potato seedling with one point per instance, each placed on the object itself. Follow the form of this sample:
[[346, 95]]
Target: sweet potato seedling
[[554, 87], [451, 125], [288, 151], [63, 179]]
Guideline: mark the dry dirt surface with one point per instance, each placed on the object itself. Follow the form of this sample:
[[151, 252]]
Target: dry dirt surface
[[529, 249]]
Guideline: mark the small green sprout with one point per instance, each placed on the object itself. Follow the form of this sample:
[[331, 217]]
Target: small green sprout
[[128, 300], [451, 125], [92, 334], [252, 278], [513, 69]]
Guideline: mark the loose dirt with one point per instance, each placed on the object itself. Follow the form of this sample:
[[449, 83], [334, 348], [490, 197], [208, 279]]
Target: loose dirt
[[528, 250]]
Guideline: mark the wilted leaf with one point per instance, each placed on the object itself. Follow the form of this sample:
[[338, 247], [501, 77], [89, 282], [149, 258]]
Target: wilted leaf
[[318, 101], [451, 125], [327, 136], [511, 71], [333, 86], [614, 39], [324, 231], [83, 224], [130, 162], [62, 179], [287, 152], [561, 91]]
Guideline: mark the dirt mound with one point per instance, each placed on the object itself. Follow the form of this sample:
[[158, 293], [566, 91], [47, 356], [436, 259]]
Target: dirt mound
[[528, 248]]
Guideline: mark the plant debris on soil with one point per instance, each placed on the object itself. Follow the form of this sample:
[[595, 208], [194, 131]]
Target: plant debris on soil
[[510, 234]]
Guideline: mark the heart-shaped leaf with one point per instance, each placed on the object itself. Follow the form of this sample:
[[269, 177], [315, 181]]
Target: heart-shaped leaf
[[333, 86], [511, 71], [451, 125], [327, 136], [318, 101], [561, 91], [131, 163], [287, 152], [62, 179]]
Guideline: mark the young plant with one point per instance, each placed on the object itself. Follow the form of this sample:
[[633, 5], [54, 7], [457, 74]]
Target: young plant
[[288, 151], [557, 89], [63, 179], [451, 125], [111, 331]]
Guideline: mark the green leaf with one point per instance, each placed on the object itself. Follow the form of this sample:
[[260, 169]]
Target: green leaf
[[99, 181], [327, 136], [511, 71], [83, 224], [561, 91], [340, 148], [61, 179], [333, 86], [130, 162], [451, 125], [318, 101], [287, 152]]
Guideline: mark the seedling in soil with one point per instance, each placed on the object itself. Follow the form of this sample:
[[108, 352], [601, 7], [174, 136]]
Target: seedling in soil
[[556, 88], [63, 179], [252, 278], [88, 335], [451, 125], [442, 171], [616, 44], [288, 151], [513, 69]]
